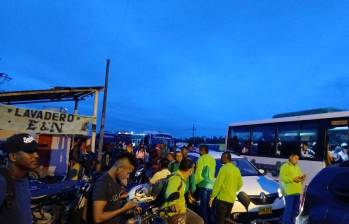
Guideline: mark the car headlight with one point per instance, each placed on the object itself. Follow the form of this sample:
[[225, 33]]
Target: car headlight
[[280, 193]]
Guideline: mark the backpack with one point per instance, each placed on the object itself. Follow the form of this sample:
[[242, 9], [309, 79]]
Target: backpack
[[10, 190], [159, 190]]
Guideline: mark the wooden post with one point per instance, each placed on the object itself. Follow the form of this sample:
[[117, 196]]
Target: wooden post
[[95, 110], [101, 131]]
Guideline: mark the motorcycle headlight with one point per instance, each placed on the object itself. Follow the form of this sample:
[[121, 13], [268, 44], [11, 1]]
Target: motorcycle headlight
[[280, 193], [302, 219]]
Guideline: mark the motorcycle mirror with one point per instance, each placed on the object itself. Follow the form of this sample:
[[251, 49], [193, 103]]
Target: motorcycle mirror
[[262, 171], [174, 196], [244, 199]]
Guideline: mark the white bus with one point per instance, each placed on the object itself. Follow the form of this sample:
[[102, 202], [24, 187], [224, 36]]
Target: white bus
[[321, 139]]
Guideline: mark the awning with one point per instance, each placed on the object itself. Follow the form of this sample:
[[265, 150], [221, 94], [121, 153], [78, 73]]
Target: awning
[[55, 94]]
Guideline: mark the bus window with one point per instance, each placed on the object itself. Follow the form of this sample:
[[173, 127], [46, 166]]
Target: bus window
[[338, 144], [309, 146], [288, 140], [239, 140], [263, 141]]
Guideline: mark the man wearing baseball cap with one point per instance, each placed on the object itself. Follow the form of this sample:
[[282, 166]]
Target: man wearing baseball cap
[[15, 197]]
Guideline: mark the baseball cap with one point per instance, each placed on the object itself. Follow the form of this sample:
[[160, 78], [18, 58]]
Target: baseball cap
[[21, 142]]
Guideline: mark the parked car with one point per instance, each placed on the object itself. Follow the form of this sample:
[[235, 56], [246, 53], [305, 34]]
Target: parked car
[[267, 202], [327, 197]]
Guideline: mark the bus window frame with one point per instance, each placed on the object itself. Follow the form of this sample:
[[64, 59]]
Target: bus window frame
[[333, 123], [319, 127]]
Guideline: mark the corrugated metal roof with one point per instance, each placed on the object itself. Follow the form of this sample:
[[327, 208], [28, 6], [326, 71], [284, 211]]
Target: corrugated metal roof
[[55, 94]]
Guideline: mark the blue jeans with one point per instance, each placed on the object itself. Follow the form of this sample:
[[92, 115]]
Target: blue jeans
[[291, 208], [204, 210]]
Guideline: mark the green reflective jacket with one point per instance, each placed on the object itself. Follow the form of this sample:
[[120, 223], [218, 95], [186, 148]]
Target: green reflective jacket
[[205, 171]]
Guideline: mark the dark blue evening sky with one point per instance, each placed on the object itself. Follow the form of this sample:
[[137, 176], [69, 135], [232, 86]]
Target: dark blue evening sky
[[179, 63]]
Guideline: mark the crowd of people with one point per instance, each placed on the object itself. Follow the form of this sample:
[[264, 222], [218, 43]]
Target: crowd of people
[[192, 181], [195, 182]]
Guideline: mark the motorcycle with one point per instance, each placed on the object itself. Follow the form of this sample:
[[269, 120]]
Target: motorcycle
[[144, 196], [53, 203]]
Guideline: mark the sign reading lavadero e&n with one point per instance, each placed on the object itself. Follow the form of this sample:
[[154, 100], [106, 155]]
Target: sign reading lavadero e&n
[[43, 121]]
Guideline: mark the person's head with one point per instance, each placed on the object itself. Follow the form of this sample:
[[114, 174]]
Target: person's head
[[164, 163], [124, 165], [190, 146], [203, 149], [305, 146], [186, 167], [170, 157], [293, 157], [141, 148], [226, 157], [179, 156], [185, 151], [22, 151]]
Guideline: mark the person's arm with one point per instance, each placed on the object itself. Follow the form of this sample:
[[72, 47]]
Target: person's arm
[[217, 186], [99, 215], [218, 183], [198, 171], [191, 184], [154, 178], [284, 175]]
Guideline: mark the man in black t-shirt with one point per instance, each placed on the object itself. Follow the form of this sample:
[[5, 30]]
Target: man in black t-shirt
[[108, 194]]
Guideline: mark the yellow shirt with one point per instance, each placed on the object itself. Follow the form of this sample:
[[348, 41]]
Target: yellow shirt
[[288, 172], [228, 183]]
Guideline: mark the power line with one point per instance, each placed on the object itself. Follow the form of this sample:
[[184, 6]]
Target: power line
[[118, 31], [4, 78]]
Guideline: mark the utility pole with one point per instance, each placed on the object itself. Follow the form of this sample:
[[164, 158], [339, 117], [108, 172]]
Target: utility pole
[[101, 131], [193, 131]]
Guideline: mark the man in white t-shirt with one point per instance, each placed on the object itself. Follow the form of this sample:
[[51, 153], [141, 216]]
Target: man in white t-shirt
[[163, 173]]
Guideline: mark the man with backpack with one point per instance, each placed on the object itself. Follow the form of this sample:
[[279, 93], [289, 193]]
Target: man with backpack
[[15, 196], [176, 185], [108, 194]]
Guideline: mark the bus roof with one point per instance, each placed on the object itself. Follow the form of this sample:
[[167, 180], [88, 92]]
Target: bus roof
[[309, 112], [157, 133], [295, 118]]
